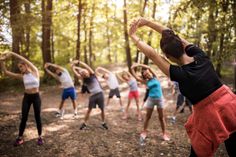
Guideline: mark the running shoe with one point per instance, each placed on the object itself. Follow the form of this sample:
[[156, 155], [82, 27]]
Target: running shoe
[[83, 126], [40, 141], [165, 137], [104, 125], [58, 114], [18, 142], [142, 139]]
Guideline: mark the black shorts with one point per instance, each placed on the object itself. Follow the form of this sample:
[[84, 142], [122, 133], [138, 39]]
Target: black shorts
[[96, 99], [114, 92], [84, 89]]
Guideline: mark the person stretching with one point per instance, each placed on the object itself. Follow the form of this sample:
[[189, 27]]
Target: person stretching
[[213, 120], [112, 83], [155, 98], [30, 76], [62, 75], [96, 93], [133, 93]]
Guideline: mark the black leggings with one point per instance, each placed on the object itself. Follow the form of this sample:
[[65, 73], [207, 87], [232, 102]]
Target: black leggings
[[230, 144], [27, 101]]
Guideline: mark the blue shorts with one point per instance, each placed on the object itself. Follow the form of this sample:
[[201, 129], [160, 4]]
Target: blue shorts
[[69, 92]]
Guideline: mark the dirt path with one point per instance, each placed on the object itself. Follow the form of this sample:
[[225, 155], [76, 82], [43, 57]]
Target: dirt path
[[63, 138]]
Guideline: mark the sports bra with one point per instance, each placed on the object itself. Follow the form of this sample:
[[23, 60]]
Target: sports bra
[[30, 81]]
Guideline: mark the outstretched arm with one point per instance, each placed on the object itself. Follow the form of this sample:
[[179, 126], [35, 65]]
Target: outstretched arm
[[149, 68], [50, 72], [157, 27], [74, 69], [161, 62], [120, 77], [100, 70], [83, 65], [9, 73], [138, 78], [31, 65]]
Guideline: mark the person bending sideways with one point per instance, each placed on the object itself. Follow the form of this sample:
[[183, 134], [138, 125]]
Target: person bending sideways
[[155, 98], [112, 83], [30, 76], [213, 120], [96, 93], [63, 76]]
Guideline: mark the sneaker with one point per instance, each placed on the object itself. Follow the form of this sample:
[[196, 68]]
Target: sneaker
[[83, 126], [165, 137], [40, 141], [173, 119], [104, 125], [58, 114], [18, 142], [142, 139]]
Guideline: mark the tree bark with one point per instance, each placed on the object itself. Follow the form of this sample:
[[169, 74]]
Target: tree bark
[[27, 30], [150, 32], [91, 35], [16, 34], [108, 34], [127, 46], [234, 23], [85, 37], [78, 29], [46, 30]]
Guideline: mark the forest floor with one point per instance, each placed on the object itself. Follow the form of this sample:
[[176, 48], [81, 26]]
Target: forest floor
[[62, 138]]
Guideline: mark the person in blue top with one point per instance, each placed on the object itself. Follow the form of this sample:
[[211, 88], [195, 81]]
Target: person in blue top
[[155, 98]]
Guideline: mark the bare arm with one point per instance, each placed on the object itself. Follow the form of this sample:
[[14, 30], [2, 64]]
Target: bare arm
[[86, 67], [150, 69], [120, 77], [157, 27], [9, 73], [31, 65], [74, 69], [100, 70], [50, 72], [135, 75], [56, 66]]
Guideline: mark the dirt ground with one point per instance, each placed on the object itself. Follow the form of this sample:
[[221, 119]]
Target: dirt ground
[[62, 138]]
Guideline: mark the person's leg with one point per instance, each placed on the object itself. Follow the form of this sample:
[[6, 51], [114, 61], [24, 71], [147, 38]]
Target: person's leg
[[230, 145], [162, 122], [126, 110], [147, 118], [87, 115], [138, 109], [37, 111], [25, 111]]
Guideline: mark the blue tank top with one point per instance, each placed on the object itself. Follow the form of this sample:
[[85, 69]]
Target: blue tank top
[[154, 87]]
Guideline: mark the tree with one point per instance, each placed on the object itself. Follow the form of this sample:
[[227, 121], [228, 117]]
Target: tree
[[78, 29], [46, 30], [127, 46]]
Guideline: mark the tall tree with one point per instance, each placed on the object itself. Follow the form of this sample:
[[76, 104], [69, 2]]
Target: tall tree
[[108, 32], [234, 48], [85, 34], [15, 26], [27, 28], [46, 30], [150, 32], [127, 46], [78, 29], [91, 34]]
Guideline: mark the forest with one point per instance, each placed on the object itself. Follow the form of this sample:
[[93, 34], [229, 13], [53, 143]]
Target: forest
[[96, 32]]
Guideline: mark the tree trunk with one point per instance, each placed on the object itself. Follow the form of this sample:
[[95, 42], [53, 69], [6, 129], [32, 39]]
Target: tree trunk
[[16, 34], [137, 58], [78, 29], [53, 51], [85, 37], [220, 57], [108, 34], [46, 30], [27, 30], [127, 46], [91, 35], [150, 32]]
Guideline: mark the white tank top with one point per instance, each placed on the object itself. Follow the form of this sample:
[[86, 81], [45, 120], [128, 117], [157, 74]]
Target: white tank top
[[66, 80], [30, 81]]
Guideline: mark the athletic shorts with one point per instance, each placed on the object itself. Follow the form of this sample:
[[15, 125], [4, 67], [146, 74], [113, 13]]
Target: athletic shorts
[[133, 94], [151, 102], [115, 92], [69, 92], [96, 99]]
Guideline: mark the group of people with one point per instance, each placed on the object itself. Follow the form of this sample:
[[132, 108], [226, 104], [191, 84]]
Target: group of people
[[213, 119]]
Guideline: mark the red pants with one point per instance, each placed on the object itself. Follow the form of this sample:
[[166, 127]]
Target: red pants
[[212, 121]]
